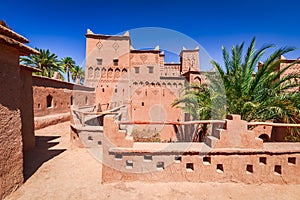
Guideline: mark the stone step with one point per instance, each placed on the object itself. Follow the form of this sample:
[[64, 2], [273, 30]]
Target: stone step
[[217, 133], [211, 141]]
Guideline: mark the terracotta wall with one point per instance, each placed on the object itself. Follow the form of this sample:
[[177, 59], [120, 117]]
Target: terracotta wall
[[11, 156], [59, 95], [27, 115], [238, 156], [248, 168]]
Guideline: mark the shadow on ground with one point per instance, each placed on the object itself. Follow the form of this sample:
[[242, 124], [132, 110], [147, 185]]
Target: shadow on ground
[[34, 158]]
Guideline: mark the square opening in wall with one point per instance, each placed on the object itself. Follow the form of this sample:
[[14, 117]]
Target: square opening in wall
[[277, 170], [147, 158], [262, 160], [220, 168], [189, 167], [99, 142], [90, 137], [177, 159], [160, 165], [206, 160], [292, 160], [249, 169], [118, 156], [129, 164]]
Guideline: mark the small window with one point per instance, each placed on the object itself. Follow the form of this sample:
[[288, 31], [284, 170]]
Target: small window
[[116, 90], [206, 160], [102, 89], [116, 62], [147, 158], [189, 167], [150, 69], [160, 166], [262, 160], [71, 100], [143, 104], [178, 159], [90, 137], [277, 169], [292, 160], [99, 61], [118, 156], [129, 164], [136, 70], [86, 100], [39, 106], [220, 168], [49, 101], [249, 169]]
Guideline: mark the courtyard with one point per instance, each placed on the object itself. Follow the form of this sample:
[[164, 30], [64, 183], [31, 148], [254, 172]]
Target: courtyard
[[58, 170]]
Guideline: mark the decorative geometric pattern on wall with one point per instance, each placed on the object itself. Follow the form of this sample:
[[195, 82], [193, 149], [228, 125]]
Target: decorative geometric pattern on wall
[[115, 46], [143, 58], [99, 45]]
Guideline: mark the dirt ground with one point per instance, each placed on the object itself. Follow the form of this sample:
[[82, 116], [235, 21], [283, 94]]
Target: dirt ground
[[56, 170]]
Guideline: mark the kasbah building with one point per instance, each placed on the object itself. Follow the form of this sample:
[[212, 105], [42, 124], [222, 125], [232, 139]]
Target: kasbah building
[[138, 86], [140, 79]]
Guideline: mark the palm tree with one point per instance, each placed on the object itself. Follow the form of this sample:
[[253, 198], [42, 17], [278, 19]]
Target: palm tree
[[46, 61], [77, 74], [68, 63], [265, 96]]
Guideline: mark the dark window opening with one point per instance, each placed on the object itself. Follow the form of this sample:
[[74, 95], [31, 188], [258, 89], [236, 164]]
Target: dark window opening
[[143, 104], [206, 160], [116, 62], [150, 69], [277, 169], [136, 70], [262, 160], [264, 137], [129, 164], [147, 158], [190, 167], [220, 168], [118, 156], [86, 100], [249, 169], [292, 160], [71, 100], [49, 101], [99, 61], [116, 90], [160, 165], [178, 159], [102, 89]]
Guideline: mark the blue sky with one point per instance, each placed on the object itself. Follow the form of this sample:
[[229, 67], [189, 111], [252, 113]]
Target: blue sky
[[60, 25]]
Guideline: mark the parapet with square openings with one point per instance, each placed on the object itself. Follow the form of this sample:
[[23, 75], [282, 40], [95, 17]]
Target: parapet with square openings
[[277, 169], [292, 160], [206, 160], [262, 160], [189, 167], [249, 169], [147, 158], [129, 164], [220, 168]]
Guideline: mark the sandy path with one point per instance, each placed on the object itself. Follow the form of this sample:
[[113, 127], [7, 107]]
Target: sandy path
[[58, 171]]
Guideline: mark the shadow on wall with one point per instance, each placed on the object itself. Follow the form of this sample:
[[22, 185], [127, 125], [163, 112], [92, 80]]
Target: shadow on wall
[[33, 159]]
